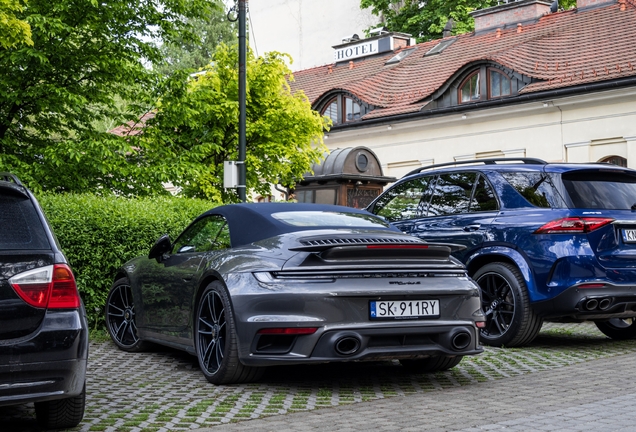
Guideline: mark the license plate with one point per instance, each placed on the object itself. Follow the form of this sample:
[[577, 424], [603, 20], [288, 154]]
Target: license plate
[[629, 235], [403, 309]]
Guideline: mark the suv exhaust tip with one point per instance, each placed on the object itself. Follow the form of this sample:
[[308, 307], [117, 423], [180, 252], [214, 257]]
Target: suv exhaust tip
[[591, 304], [604, 304]]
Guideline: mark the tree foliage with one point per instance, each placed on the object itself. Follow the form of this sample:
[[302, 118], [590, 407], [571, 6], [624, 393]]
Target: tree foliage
[[85, 54], [196, 127], [13, 31], [426, 19], [185, 54]]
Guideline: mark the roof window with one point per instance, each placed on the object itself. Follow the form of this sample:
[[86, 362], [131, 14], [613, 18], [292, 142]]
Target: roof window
[[399, 56], [440, 47]]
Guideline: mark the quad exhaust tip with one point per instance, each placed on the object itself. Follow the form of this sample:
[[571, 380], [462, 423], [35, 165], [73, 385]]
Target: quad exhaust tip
[[600, 304], [591, 304], [347, 345]]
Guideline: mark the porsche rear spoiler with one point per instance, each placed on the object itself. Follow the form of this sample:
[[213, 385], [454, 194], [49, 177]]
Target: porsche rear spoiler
[[394, 246]]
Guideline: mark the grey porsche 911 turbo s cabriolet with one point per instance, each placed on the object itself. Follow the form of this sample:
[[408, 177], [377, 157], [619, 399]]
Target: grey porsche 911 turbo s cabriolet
[[253, 285]]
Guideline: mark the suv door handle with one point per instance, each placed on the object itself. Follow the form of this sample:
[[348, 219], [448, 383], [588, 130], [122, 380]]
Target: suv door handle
[[474, 227]]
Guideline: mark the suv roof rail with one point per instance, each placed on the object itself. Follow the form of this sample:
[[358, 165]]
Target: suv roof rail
[[491, 161], [10, 177]]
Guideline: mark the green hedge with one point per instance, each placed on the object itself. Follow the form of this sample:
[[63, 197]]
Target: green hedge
[[99, 234]]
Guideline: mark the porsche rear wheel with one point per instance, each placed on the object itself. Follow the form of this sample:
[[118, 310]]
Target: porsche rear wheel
[[216, 341], [618, 328], [120, 317], [431, 364]]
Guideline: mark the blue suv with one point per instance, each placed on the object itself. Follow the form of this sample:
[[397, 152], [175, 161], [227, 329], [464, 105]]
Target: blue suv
[[545, 241]]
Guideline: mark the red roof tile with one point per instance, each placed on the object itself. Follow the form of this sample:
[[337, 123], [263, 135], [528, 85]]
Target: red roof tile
[[560, 50], [133, 127]]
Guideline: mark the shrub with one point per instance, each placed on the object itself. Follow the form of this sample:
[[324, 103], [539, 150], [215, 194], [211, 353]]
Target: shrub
[[99, 234]]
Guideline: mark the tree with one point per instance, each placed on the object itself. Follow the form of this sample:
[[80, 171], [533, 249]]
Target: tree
[[85, 55], [13, 31], [184, 54], [195, 127], [426, 19]]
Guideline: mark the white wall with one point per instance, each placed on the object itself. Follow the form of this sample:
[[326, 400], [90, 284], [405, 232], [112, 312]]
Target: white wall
[[574, 129], [305, 29]]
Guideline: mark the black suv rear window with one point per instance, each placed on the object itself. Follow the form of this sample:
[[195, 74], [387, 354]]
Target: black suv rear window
[[600, 190], [20, 226]]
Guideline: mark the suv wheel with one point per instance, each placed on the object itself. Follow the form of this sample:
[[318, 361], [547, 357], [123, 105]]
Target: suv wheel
[[618, 328], [510, 320]]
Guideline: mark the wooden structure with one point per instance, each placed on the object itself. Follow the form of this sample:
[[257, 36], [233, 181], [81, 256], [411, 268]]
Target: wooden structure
[[350, 176]]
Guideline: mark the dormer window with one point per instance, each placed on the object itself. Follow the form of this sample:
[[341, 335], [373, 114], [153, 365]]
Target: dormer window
[[469, 90], [485, 83], [344, 108], [499, 84]]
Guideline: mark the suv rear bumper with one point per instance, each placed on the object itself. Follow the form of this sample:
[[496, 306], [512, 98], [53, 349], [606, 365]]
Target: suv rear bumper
[[48, 364], [610, 301]]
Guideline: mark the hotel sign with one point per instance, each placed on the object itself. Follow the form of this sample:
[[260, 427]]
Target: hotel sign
[[362, 49]]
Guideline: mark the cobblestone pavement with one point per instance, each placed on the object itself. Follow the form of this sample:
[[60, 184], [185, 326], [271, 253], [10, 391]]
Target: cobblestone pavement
[[570, 376]]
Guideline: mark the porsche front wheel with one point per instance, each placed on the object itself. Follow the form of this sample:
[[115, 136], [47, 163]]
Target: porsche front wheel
[[216, 341]]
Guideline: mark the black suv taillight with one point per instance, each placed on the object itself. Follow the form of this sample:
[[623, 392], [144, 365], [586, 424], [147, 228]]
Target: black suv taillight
[[573, 225], [50, 287]]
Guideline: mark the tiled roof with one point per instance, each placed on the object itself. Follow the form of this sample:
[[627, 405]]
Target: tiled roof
[[133, 127], [560, 50]]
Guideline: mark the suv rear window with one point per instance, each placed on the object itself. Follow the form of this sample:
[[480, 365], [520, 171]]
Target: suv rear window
[[600, 190], [20, 226], [536, 187]]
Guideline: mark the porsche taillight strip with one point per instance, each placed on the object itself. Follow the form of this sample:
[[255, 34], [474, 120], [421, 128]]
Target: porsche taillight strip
[[359, 275]]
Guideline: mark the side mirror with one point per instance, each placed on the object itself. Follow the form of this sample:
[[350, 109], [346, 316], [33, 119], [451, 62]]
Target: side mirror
[[160, 247]]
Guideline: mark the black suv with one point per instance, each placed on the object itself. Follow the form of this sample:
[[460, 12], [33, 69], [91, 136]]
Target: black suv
[[43, 327], [545, 241]]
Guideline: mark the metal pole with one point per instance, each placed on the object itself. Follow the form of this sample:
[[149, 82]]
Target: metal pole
[[242, 92]]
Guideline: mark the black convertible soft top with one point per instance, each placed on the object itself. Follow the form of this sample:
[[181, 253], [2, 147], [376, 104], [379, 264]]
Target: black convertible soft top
[[252, 222]]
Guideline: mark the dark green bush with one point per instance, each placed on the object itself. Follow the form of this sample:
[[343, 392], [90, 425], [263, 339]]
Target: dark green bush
[[99, 234]]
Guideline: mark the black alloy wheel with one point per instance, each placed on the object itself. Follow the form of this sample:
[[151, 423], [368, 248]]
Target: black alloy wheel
[[618, 328], [211, 332], [120, 317], [216, 342], [510, 321]]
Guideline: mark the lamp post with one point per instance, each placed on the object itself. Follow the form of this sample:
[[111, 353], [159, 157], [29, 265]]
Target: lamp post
[[242, 7]]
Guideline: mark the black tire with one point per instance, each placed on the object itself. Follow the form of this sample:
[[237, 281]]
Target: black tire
[[510, 320], [61, 413], [618, 328], [119, 314], [431, 364], [216, 341]]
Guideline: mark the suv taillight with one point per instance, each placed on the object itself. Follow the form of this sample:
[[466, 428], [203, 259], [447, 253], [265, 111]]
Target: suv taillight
[[573, 225], [51, 286]]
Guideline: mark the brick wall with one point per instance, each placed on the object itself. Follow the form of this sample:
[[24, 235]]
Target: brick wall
[[511, 13], [587, 3]]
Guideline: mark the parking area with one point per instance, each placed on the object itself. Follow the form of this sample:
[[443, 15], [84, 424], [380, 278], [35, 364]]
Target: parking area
[[164, 390]]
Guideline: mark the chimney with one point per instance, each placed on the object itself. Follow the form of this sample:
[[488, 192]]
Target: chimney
[[581, 4], [512, 13]]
